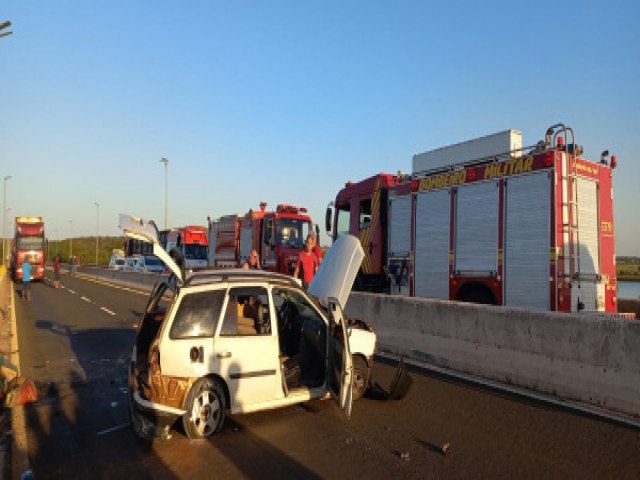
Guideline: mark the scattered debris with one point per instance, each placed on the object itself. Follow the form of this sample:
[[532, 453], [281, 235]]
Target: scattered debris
[[28, 475], [445, 448], [404, 456], [350, 440], [27, 392], [113, 429], [114, 404], [398, 389]]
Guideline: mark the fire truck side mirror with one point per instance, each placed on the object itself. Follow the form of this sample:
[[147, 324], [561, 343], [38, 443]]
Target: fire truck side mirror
[[327, 220]]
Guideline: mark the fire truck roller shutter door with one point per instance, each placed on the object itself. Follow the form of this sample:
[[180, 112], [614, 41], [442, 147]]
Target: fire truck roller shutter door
[[526, 244], [432, 244], [476, 238]]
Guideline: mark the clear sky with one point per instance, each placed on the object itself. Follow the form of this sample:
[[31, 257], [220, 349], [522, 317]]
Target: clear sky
[[284, 101]]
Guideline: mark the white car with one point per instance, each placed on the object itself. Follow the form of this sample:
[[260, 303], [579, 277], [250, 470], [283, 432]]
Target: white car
[[150, 263], [131, 264], [116, 262], [237, 341]]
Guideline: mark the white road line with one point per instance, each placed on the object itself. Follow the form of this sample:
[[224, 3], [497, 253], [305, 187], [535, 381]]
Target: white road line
[[88, 300], [104, 309], [71, 291]]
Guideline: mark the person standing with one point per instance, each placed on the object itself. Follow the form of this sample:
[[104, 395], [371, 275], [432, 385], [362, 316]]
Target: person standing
[[307, 263], [317, 249], [56, 272], [26, 278], [253, 261]]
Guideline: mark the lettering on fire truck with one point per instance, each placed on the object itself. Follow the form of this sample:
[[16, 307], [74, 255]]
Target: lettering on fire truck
[[606, 227], [502, 169], [512, 167]]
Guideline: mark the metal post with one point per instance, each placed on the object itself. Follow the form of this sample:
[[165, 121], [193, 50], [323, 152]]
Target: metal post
[[97, 228], [166, 164], [4, 221]]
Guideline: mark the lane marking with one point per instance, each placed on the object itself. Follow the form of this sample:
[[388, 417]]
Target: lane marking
[[105, 309], [88, 300]]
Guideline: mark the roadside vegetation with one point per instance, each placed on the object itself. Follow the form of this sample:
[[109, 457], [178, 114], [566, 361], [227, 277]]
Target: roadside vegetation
[[85, 249], [628, 268]]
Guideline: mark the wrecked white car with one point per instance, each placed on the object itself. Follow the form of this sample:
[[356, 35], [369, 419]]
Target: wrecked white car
[[234, 341]]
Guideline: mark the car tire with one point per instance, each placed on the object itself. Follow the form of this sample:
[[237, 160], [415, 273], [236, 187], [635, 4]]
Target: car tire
[[205, 409], [361, 374]]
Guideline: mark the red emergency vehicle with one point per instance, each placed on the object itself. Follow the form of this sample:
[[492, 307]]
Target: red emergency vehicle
[[192, 243], [278, 236], [28, 242], [489, 221]]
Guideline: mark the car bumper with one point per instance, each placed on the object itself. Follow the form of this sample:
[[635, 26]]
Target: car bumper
[[150, 420]]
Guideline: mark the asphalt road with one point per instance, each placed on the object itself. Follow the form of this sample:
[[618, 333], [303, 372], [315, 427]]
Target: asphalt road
[[75, 343]]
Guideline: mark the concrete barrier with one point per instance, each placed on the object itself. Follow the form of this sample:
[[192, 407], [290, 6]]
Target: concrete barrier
[[585, 358]]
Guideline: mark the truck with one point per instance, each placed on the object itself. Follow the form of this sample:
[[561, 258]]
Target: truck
[[277, 235], [489, 221], [28, 242], [190, 241]]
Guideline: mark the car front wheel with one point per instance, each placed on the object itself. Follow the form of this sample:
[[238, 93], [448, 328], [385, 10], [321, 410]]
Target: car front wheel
[[205, 409], [360, 377]]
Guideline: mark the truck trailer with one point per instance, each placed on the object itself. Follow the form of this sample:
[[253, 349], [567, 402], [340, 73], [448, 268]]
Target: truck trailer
[[28, 242]]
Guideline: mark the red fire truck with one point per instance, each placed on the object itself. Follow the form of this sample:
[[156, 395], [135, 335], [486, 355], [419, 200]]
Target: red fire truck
[[28, 242], [278, 236], [489, 221], [192, 243]]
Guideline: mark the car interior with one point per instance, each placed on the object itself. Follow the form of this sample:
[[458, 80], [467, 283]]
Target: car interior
[[303, 340]]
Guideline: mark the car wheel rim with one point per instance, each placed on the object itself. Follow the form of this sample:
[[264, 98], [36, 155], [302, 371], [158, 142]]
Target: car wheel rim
[[205, 413]]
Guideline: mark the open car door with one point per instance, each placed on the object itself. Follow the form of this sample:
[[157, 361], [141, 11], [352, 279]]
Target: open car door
[[340, 364], [137, 228]]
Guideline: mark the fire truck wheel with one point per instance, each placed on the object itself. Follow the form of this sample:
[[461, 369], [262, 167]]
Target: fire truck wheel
[[479, 296]]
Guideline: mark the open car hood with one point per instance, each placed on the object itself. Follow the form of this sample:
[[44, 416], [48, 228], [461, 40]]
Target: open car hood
[[338, 270], [135, 227]]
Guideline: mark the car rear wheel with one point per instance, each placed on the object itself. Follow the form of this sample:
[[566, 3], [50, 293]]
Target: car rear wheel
[[205, 409], [360, 377]]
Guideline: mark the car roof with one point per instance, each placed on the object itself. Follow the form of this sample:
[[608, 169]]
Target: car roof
[[204, 277]]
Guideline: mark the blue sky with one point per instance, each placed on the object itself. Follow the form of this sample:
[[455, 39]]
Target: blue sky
[[285, 101]]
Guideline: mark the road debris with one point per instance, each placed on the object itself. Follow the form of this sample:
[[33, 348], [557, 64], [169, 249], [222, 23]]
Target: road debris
[[113, 429], [446, 447], [404, 456]]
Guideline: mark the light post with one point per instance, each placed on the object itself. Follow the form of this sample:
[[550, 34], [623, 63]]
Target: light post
[[97, 228], [166, 164], [4, 211]]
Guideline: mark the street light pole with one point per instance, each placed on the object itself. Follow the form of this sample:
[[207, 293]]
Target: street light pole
[[166, 164], [97, 228], [4, 211]]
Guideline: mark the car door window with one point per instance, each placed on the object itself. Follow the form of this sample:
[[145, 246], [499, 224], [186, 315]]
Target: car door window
[[247, 312], [197, 314]]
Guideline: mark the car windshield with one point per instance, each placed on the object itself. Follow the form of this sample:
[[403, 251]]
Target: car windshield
[[152, 261], [120, 261]]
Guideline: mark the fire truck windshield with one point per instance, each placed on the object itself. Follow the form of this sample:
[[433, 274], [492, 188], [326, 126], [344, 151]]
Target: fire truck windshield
[[30, 243], [292, 232], [343, 214], [195, 252]]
